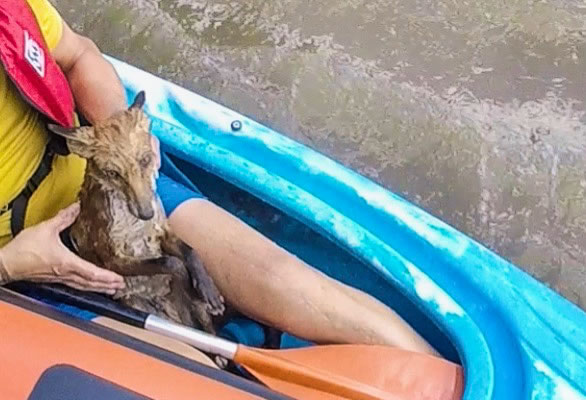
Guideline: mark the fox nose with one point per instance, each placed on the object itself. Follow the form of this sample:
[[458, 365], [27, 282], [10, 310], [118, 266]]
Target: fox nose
[[146, 213], [142, 199]]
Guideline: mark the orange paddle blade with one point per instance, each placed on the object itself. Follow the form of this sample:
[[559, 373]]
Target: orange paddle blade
[[354, 372]]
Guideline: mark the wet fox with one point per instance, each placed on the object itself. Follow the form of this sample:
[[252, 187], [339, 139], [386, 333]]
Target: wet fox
[[122, 225]]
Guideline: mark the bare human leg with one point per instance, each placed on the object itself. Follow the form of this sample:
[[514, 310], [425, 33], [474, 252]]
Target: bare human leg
[[269, 284]]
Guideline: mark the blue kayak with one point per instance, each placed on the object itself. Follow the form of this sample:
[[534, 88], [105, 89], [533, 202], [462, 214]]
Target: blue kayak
[[515, 337]]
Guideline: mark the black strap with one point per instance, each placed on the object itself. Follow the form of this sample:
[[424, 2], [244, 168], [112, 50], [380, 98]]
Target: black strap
[[19, 204], [56, 145]]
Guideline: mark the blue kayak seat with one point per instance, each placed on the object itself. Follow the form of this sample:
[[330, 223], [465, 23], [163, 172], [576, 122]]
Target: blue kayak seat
[[246, 331]]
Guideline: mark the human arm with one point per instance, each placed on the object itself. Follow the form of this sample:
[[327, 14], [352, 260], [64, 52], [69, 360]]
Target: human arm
[[96, 88], [94, 83]]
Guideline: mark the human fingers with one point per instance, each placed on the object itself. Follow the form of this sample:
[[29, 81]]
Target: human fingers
[[92, 273], [75, 282]]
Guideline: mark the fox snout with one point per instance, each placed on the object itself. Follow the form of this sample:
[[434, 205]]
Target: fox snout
[[146, 212], [142, 205]]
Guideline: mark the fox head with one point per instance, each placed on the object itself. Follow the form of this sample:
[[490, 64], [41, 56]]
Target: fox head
[[120, 155]]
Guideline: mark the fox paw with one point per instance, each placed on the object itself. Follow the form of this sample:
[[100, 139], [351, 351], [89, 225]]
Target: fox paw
[[214, 301]]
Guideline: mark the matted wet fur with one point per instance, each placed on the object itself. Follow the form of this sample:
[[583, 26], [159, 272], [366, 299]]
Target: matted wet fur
[[122, 225]]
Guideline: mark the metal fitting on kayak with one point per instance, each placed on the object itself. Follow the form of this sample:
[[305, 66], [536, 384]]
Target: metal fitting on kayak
[[236, 125]]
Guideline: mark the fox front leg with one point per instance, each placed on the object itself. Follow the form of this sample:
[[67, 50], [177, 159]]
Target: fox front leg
[[153, 266], [201, 280], [142, 275], [141, 287]]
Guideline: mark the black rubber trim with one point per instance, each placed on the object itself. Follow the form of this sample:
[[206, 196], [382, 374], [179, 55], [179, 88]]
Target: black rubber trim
[[66, 382], [138, 345], [90, 301]]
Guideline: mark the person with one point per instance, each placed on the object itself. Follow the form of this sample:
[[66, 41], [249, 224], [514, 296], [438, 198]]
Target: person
[[304, 301]]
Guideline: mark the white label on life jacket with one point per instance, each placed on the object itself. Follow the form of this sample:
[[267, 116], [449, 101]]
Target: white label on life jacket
[[34, 54]]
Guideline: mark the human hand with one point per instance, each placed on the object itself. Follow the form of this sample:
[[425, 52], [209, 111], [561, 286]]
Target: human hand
[[37, 254]]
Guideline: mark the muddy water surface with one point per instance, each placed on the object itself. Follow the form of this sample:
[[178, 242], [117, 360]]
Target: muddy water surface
[[474, 110]]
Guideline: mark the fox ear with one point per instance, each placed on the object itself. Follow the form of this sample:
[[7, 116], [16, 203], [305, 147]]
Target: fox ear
[[83, 134], [79, 140], [138, 100], [62, 131]]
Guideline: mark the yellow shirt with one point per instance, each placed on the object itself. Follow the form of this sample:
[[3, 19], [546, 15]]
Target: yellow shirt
[[22, 141]]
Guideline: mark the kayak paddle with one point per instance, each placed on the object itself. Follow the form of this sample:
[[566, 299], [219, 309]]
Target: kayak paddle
[[357, 372]]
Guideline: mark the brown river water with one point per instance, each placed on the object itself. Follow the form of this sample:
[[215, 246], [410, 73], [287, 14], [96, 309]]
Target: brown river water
[[474, 110]]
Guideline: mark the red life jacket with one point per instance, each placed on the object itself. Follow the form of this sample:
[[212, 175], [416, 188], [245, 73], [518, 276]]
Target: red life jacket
[[29, 64]]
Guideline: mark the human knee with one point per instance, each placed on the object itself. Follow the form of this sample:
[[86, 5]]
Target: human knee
[[189, 209]]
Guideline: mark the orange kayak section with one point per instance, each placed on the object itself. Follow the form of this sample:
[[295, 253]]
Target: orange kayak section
[[32, 344]]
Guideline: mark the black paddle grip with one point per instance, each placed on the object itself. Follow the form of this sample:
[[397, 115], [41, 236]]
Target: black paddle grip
[[89, 301]]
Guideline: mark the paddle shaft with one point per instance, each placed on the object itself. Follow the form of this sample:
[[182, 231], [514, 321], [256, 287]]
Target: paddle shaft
[[198, 339]]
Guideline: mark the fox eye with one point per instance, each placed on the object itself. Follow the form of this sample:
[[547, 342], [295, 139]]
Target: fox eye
[[112, 174], [146, 161]]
